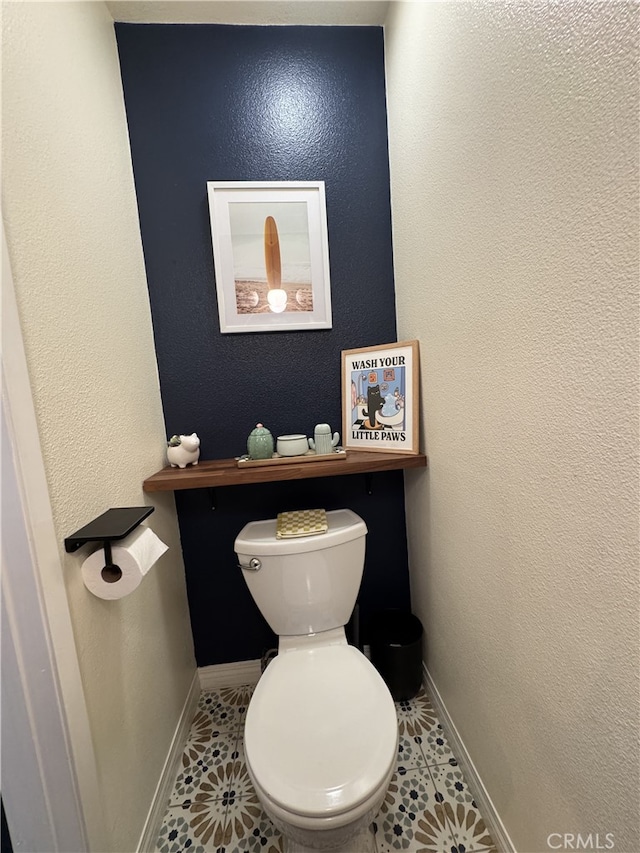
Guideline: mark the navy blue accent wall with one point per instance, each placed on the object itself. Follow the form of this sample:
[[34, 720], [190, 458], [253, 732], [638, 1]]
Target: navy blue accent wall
[[5, 839], [209, 102]]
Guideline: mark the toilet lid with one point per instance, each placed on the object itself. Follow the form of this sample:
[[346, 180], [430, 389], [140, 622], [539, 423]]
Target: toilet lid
[[321, 730]]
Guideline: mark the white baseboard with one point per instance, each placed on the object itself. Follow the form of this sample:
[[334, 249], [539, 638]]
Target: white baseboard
[[469, 771], [149, 837], [229, 674]]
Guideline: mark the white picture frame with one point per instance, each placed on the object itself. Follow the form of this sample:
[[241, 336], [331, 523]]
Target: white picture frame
[[270, 276]]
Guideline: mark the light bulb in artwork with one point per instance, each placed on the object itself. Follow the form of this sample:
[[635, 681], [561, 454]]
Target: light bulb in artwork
[[277, 300]]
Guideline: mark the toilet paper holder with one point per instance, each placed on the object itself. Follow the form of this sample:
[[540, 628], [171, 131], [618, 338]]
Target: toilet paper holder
[[112, 525]]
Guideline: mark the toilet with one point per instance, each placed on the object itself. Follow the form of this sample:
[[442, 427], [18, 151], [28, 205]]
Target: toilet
[[321, 731]]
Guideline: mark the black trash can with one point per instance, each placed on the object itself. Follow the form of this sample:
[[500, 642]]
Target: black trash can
[[396, 651]]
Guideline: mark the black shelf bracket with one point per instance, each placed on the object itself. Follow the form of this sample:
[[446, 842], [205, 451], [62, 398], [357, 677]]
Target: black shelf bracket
[[368, 482], [111, 526]]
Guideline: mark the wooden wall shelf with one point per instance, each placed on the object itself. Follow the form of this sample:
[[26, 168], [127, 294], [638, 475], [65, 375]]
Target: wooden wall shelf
[[209, 474]]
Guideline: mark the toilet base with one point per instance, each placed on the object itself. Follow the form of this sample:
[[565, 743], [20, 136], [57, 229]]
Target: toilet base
[[328, 834], [363, 842], [354, 837]]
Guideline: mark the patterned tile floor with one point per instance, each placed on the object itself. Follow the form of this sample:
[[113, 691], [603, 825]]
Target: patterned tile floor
[[214, 809]]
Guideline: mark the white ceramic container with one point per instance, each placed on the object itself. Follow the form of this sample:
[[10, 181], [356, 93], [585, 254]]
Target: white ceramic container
[[295, 444]]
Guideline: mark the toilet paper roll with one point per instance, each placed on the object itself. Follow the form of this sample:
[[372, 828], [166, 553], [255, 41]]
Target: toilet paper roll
[[133, 556]]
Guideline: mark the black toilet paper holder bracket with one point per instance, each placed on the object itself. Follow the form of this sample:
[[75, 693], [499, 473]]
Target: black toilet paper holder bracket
[[111, 526]]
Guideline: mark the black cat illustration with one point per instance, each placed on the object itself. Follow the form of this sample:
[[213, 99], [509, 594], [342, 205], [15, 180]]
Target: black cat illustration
[[374, 404]]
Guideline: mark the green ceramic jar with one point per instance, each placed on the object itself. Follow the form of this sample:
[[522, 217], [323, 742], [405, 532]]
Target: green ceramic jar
[[260, 443]]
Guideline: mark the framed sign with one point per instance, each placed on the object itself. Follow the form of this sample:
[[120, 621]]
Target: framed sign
[[380, 405], [270, 255]]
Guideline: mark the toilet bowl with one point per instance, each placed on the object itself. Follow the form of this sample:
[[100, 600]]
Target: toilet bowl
[[321, 738], [321, 730]]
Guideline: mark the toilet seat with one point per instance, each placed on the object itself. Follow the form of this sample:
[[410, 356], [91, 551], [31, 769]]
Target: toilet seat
[[321, 731]]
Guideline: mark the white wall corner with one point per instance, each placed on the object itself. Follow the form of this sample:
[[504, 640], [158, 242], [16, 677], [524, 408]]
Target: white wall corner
[[152, 824], [484, 802]]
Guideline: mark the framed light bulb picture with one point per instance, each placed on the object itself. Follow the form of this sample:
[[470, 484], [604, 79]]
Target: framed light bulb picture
[[270, 255]]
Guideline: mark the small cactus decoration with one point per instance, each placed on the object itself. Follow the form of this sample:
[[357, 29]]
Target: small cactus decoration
[[260, 443]]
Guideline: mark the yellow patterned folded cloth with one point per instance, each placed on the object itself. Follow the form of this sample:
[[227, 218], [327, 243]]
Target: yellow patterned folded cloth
[[302, 522]]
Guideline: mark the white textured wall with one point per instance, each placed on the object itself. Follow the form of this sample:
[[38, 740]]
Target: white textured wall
[[263, 12], [72, 230], [514, 151]]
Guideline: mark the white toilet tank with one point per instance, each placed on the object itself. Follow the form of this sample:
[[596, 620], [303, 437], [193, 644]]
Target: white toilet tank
[[306, 584]]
